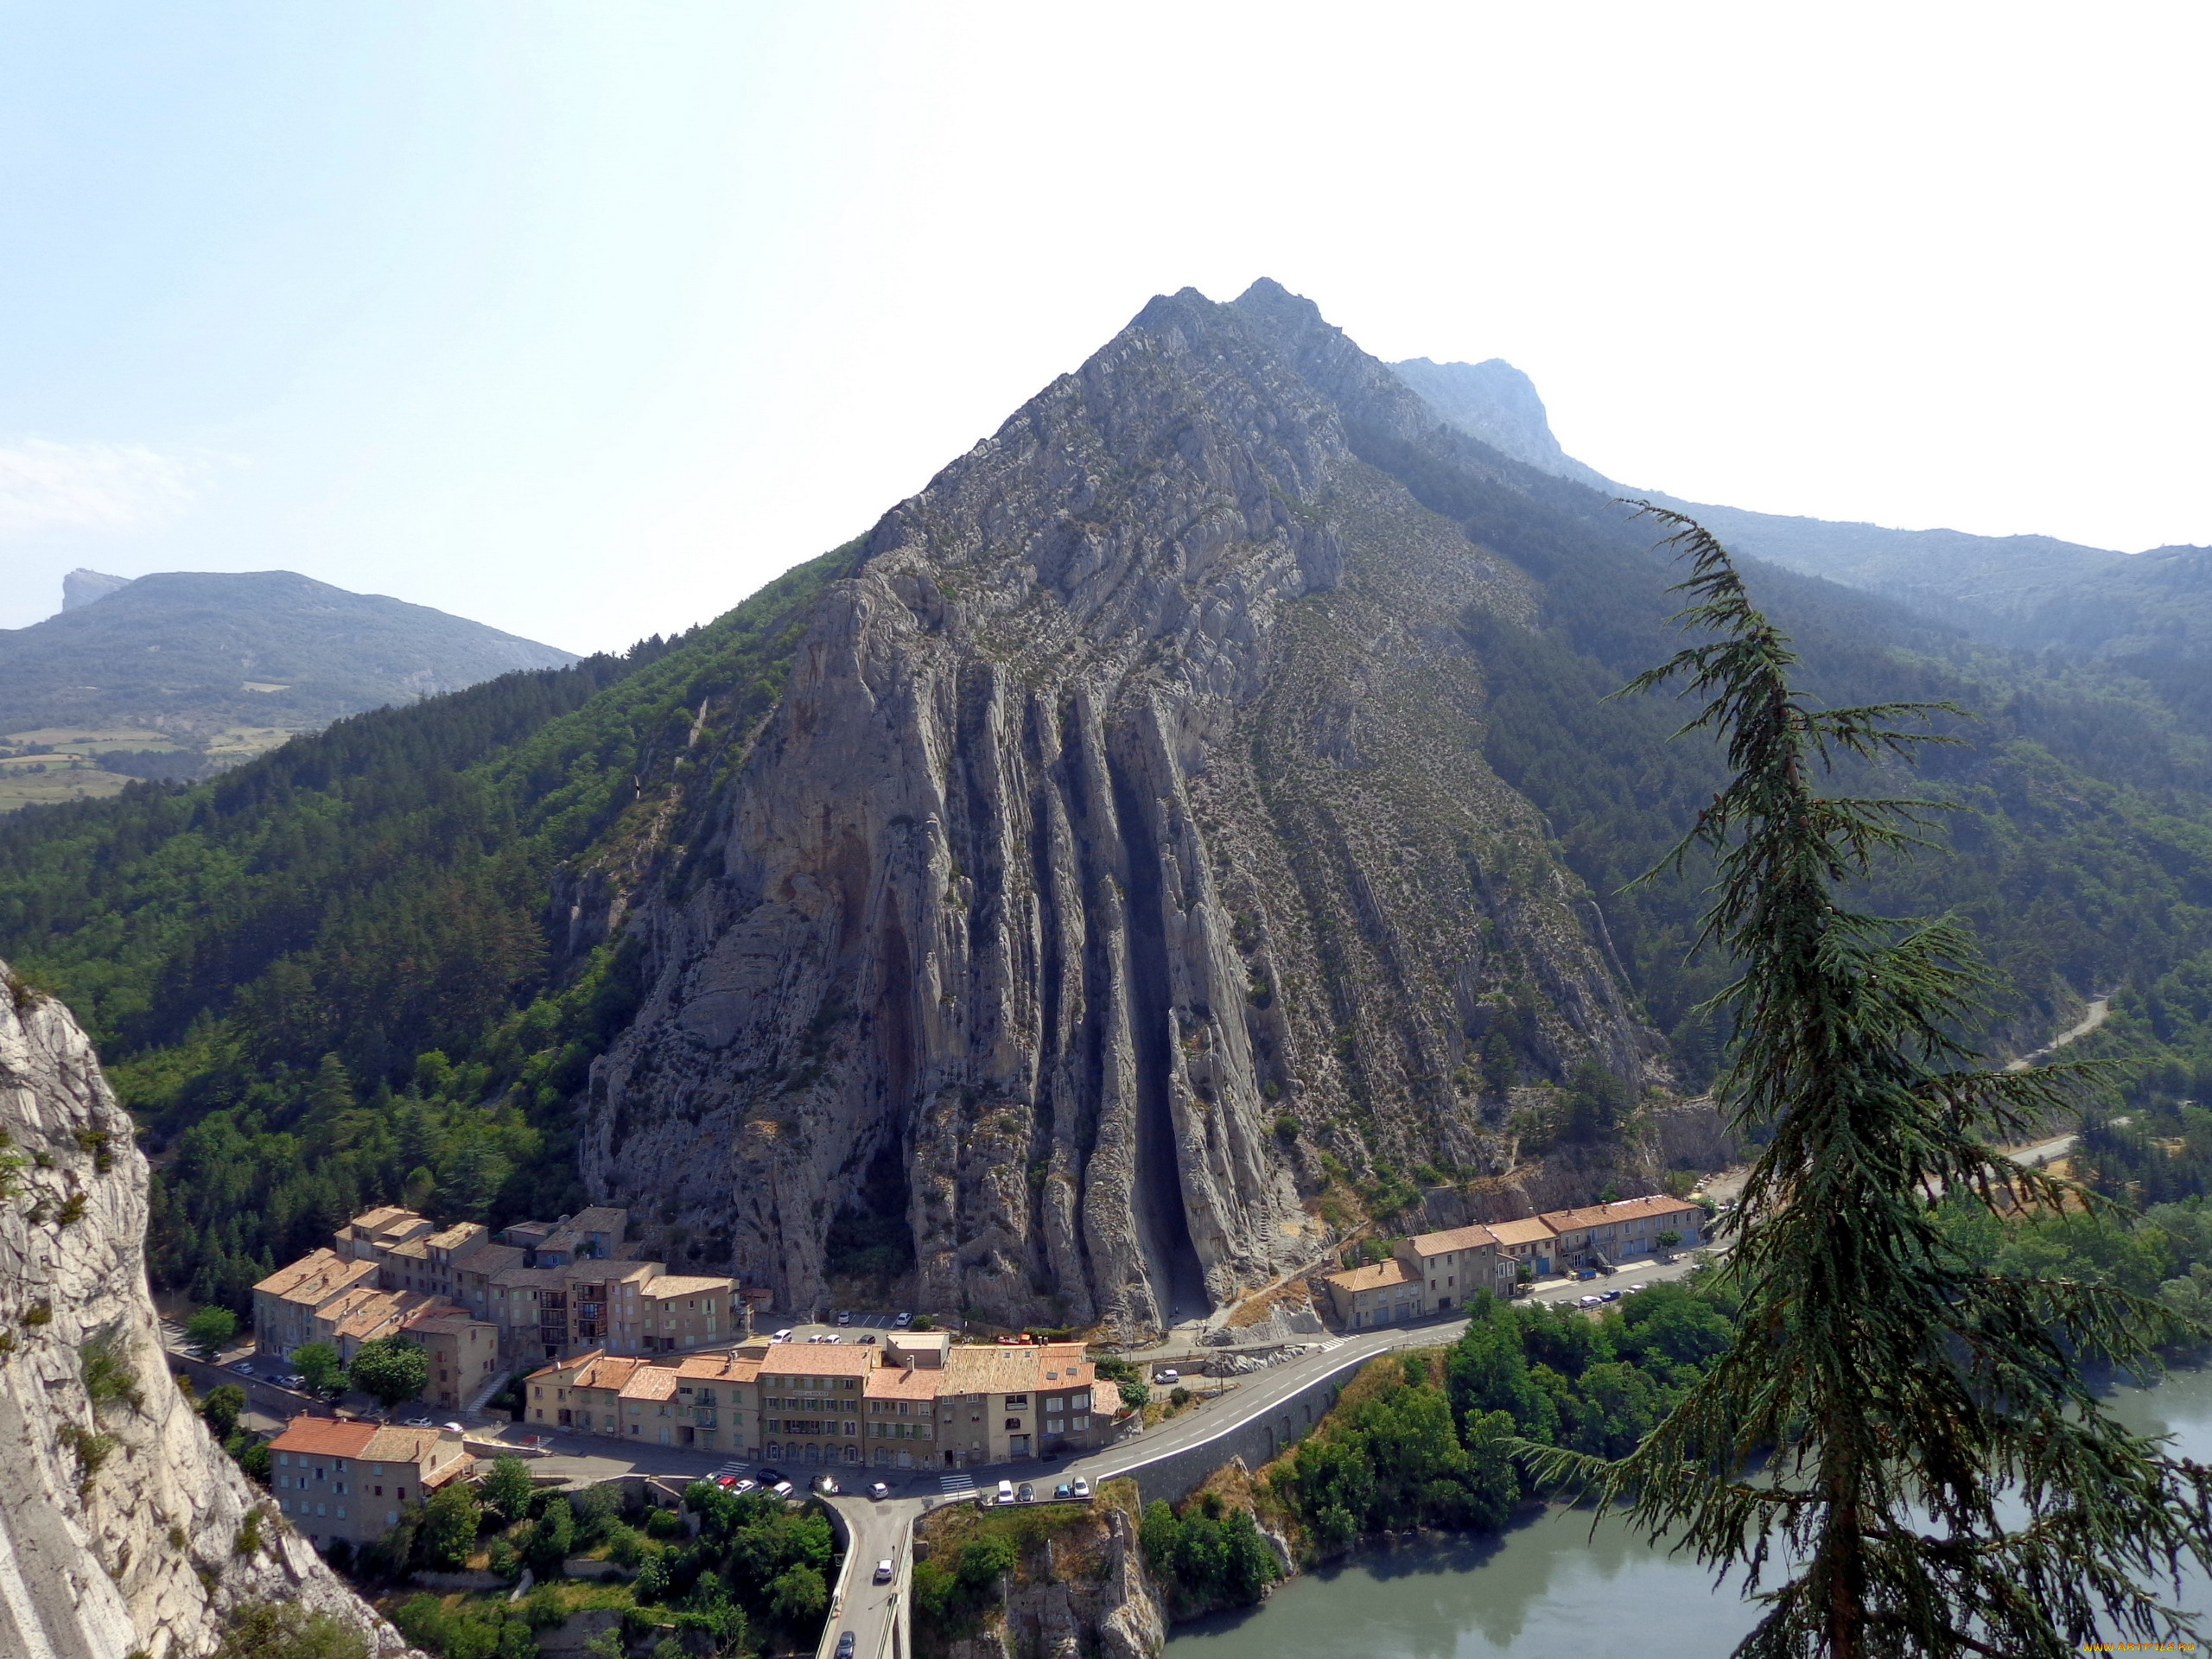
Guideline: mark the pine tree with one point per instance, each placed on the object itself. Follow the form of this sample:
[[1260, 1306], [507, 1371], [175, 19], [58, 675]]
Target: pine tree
[[1938, 1480]]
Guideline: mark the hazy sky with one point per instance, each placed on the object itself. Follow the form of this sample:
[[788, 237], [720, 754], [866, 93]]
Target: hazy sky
[[584, 321]]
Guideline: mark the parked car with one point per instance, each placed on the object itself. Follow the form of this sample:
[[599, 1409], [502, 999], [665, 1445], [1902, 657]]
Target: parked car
[[1609, 1296], [415, 1422], [728, 1482], [741, 1485], [1591, 1301], [1026, 1495], [769, 1476], [292, 1380], [242, 1367], [903, 1321], [883, 1572], [845, 1645], [784, 1335], [1063, 1491], [833, 1337], [866, 1338], [826, 1484], [1171, 1375], [1005, 1492], [781, 1489], [1632, 1289], [845, 1318], [878, 1491], [1082, 1487]]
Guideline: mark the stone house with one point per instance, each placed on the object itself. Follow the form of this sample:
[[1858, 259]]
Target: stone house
[[338, 1477], [286, 1302], [1449, 1267], [1528, 1243], [1602, 1235], [1382, 1292]]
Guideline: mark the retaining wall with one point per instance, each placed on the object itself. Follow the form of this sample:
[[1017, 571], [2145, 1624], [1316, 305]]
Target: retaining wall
[[1174, 1475]]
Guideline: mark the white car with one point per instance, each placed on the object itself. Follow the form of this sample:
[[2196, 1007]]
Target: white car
[[845, 1318], [883, 1572], [1082, 1487], [1005, 1492], [903, 1321], [1171, 1375], [781, 1336]]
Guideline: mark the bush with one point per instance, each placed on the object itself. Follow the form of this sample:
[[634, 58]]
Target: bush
[[270, 1630], [507, 1489], [1205, 1560], [664, 1524], [209, 1331], [450, 1521], [221, 1409]]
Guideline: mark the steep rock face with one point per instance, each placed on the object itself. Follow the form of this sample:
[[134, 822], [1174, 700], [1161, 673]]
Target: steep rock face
[[1075, 1593], [121, 1520], [1125, 800], [1495, 401]]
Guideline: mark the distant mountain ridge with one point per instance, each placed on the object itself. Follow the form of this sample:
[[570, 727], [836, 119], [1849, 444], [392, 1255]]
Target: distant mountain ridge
[[199, 669], [2016, 590]]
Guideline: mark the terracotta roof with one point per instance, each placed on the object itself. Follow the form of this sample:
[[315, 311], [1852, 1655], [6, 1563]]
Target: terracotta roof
[[651, 1382], [607, 1371], [1597, 1215], [316, 1276], [487, 1257], [417, 1249], [454, 1237], [393, 1445], [384, 1215], [1474, 1237], [817, 1359], [974, 1369], [897, 1383], [326, 1436], [560, 1366], [1378, 1276], [443, 1319], [673, 1284], [725, 1367], [1530, 1230]]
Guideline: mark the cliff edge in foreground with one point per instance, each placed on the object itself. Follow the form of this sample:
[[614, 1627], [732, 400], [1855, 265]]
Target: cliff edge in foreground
[[123, 1529]]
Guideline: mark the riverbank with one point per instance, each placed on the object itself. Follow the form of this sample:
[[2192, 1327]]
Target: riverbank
[[1555, 1584]]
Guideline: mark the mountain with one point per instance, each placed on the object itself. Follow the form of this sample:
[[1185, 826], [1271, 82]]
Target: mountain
[[123, 1528], [179, 674], [2028, 591], [1190, 831]]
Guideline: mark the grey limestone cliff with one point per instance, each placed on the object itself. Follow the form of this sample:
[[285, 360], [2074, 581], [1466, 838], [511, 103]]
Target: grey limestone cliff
[[1119, 859], [123, 1528]]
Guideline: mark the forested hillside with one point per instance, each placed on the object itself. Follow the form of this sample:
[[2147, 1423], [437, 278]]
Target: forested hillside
[[1252, 812], [336, 976]]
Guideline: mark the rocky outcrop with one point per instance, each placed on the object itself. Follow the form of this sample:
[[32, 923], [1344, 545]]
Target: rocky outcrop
[[1495, 401], [1120, 862], [1079, 1592], [123, 1528]]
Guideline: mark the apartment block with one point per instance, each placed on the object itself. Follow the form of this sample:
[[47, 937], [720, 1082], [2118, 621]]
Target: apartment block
[[1602, 1235], [916, 1402], [337, 1478]]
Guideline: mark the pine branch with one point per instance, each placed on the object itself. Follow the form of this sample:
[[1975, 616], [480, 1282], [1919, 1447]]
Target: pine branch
[[1936, 1478]]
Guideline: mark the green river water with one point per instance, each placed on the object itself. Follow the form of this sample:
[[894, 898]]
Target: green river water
[[1550, 1589]]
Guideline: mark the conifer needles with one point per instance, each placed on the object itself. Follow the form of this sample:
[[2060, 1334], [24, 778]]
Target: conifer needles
[[1905, 1443]]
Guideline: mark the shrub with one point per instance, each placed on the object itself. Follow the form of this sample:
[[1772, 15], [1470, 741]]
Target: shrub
[[108, 1379], [507, 1489], [271, 1629], [221, 1409], [209, 1330]]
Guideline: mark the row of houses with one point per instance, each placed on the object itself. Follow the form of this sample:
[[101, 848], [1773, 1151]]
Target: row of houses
[[481, 1305], [1433, 1272], [916, 1402]]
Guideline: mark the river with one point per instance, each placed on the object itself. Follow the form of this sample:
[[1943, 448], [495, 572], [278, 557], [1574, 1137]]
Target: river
[[1550, 1587]]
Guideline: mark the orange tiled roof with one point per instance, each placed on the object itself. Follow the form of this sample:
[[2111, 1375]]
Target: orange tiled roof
[[1471, 1237], [1379, 1275], [1597, 1215], [818, 1359], [1530, 1230], [651, 1382], [326, 1436]]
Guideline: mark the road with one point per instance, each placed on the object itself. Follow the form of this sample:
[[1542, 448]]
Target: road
[[883, 1530]]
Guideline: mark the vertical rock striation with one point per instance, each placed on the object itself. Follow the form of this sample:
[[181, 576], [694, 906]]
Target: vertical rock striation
[[123, 1528], [1120, 846]]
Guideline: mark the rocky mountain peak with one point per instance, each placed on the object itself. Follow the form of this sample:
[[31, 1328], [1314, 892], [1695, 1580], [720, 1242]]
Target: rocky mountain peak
[[1117, 849], [81, 586], [1495, 401]]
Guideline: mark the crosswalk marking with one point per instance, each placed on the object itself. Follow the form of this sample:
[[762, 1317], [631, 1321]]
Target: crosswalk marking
[[957, 1485]]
